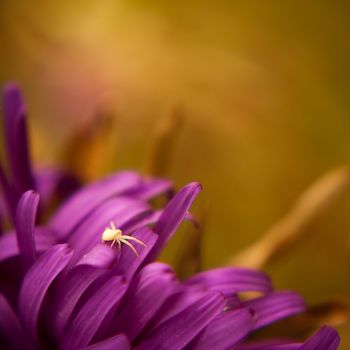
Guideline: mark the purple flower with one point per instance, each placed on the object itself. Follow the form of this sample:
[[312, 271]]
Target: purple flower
[[62, 288]]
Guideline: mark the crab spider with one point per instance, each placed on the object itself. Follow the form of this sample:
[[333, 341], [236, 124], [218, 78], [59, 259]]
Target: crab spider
[[116, 236]]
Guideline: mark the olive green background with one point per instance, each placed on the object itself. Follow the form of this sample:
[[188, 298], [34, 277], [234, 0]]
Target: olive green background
[[265, 88]]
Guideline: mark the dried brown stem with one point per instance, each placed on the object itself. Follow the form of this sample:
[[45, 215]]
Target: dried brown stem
[[189, 256], [166, 133], [290, 229], [89, 152]]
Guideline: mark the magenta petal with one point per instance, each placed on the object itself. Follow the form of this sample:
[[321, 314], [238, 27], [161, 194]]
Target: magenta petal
[[151, 219], [229, 280], [89, 198], [119, 210], [118, 342], [8, 246], [226, 331], [102, 255], [10, 198], [129, 262], [37, 281], [178, 331], [44, 239], [269, 345], [16, 139], [68, 293], [25, 221], [53, 184], [325, 339], [145, 218], [173, 215], [151, 188], [275, 306], [11, 327], [148, 291], [175, 304], [89, 319]]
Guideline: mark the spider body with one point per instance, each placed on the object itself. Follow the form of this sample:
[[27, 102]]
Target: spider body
[[115, 235]]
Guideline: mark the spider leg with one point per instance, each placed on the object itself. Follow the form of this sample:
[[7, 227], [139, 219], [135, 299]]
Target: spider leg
[[113, 243], [112, 225], [130, 238], [119, 246], [129, 245]]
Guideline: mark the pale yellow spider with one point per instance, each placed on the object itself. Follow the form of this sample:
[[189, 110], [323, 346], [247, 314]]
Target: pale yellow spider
[[116, 235]]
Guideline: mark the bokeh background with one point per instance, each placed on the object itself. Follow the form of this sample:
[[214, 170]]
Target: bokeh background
[[264, 87]]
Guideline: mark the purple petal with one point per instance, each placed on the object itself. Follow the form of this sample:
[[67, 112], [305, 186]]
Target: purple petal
[[89, 319], [145, 218], [11, 328], [151, 188], [37, 281], [102, 255], [16, 139], [129, 262], [8, 246], [119, 210], [175, 304], [53, 184], [229, 280], [177, 332], [269, 345], [148, 291], [149, 220], [10, 197], [226, 331], [325, 339], [44, 239], [173, 215], [25, 221], [69, 291], [275, 306], [118, 342], [83, 202]]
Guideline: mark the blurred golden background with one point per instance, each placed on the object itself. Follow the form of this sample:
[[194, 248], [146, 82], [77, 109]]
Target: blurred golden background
[[264, 89]]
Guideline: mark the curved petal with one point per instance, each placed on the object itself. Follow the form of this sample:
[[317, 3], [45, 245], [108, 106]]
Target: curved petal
[[44, 239], [53, 184], [37, 281], [180, 330], [150, 219], [129, 263], [11, 328], [325, 339], [148, 291], [119, 210], [275, 306], [172, 216], [226, 331], [8, 246], [145, 218], [151, 188], [17, 139], [175, 304], [89, 319], [229, 280], [68, 293], [1, 218], [118, 342], [102, 255], [10, 198], [268, 345], [25, 221], [83, 202]]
